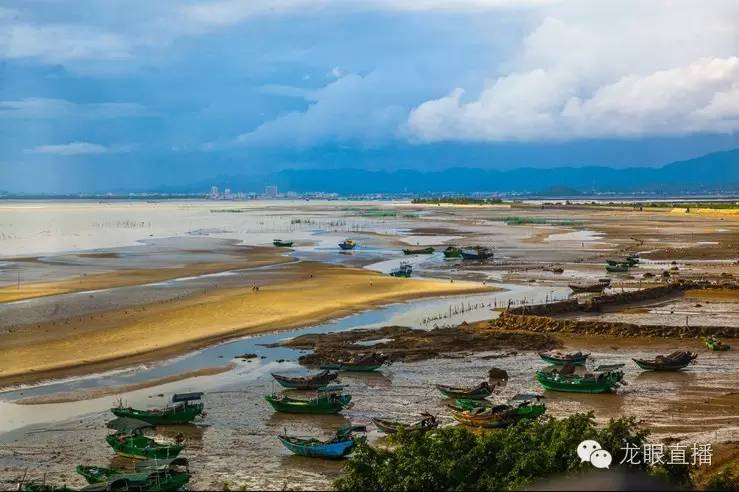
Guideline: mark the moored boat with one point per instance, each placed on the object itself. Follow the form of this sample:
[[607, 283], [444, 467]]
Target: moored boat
[[129, 440], [404, 270], [151, 475], [327, 401], [558, 358], [185, 408], [620, 268], [717, 345], [479, 392], [338, 447], [347, 244], [598, 286], [673, 362], [310, 382], [418, 251], [605, 380], [452, 252], [282, 244], [476, 253], [425, 423]]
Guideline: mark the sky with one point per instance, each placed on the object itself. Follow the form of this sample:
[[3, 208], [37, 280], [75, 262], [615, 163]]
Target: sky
[[130, 95]]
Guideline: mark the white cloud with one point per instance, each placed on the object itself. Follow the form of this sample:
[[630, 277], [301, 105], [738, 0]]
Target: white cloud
[[58, 43], [604, 69], [79, 148], [37, 107]]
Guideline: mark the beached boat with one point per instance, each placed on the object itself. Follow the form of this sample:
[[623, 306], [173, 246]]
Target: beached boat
[[185, 408], [151, 475], [717, 345], [404, 270], [452, 252], [479, 392], [673, 362], [620, 268], [128, 440], [605, 380], [310, 382], [558, 358], [476, 253], [527, 405], [327, 401], [425, 423], [282, 244], [348, 244], [598, 286], [358, 363], [338, 447], [418, 251]]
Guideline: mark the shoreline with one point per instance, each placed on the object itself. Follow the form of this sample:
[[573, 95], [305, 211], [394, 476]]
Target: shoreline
[[300, 299]]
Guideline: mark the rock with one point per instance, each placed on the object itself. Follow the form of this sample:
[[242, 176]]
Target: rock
[[495, 373], [246, 356]]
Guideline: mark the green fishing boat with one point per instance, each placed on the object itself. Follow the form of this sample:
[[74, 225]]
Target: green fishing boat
[[673, 362], [151, 475], [418, 251], [282, 244], [479, 392], [185, 408], [620, 268], [328, 401], [605, 380], [717, 345], [128, 440], [452, 252], [558, 358]]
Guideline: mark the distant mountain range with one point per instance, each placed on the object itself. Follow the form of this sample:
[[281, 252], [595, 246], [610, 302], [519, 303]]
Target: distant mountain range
[[713, 172]]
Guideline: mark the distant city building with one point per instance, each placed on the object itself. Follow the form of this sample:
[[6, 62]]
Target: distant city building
[[214, 193], [270, 191]]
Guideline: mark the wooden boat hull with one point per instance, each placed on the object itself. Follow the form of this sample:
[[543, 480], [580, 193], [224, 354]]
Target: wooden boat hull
[[455, 394], [576, 384], [167, 416], [493, 421], [283, 244], [475, 255], [578, 361], [321, 405], [587, 288], [305, 383], [142, 447], [652, 366], [333, 450]]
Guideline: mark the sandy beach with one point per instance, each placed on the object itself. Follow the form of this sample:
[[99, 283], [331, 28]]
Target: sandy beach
[[303, 294]]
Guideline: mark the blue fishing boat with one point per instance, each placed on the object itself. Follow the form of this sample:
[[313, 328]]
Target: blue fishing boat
[[339, 446]]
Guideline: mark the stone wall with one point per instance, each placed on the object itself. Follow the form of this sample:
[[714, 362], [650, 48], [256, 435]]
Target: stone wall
[[545, 324]]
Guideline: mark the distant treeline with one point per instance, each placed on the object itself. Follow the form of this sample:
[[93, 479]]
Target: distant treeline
[[728, 205], [458, 200]]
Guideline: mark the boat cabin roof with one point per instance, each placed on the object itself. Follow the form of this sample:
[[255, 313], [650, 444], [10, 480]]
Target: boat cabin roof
[[183, 397], [127, 424]]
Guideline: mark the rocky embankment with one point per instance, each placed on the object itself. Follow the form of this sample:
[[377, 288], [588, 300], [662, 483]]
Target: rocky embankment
[[405, 344], [547, 324]]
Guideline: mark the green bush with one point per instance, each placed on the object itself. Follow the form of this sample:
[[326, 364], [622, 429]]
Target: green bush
[[455, 458], [723, 480]]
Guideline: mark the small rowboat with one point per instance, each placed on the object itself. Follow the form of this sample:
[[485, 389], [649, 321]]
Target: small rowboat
[[418, 251], [593, 287], [185, 408], [312, 382], [339, 446], [282, 244], [452, 252], [601, 382], [717, 345], [330, 401], [673, 362], [577, 358], [426, 423], [347, 244], [479, 392]]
